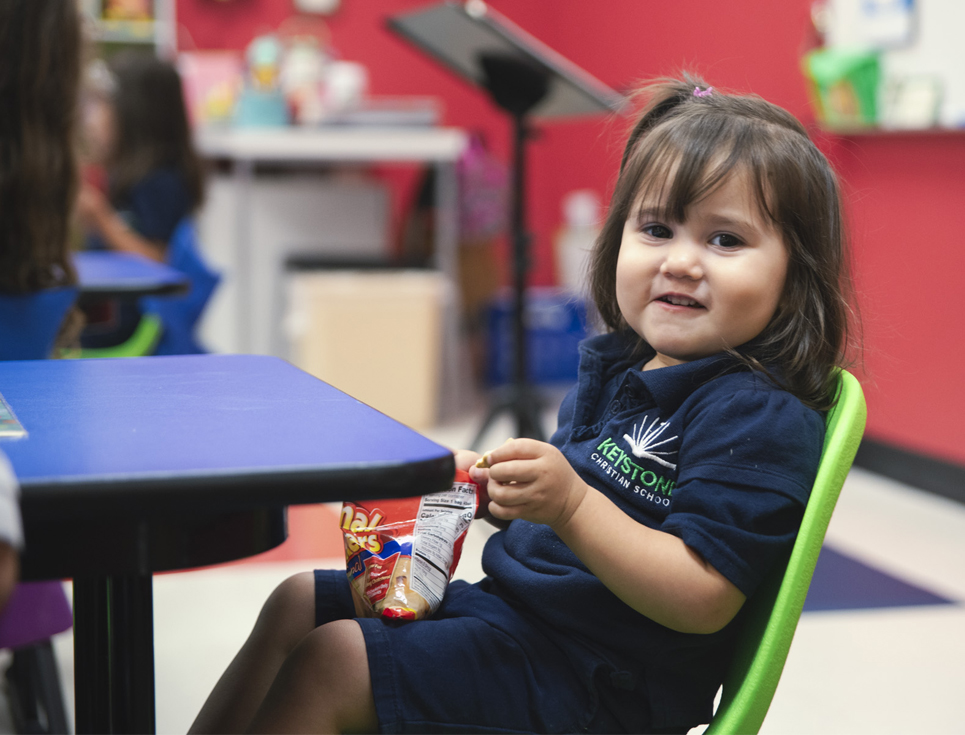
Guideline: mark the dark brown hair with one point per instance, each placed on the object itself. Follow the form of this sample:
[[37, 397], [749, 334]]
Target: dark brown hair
[[704, 139], [152, 127], [40, 47]]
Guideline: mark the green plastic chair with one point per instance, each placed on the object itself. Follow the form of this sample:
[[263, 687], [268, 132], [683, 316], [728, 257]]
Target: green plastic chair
[[142, 342], [774, 610]]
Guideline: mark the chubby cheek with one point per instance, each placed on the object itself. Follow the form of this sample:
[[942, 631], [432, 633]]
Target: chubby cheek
[[99, 132], [630, 289], [750, 314], [744, 322]]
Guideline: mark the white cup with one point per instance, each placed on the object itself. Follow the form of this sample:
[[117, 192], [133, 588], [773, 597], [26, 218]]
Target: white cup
[[346, 84]]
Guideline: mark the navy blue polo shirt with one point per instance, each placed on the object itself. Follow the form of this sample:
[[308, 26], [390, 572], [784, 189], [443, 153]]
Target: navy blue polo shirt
[[153, 207], [157, 204], [709, 451]]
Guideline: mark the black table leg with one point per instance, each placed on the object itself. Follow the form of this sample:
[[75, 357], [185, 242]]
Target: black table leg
[[114, 654], [113, 613]]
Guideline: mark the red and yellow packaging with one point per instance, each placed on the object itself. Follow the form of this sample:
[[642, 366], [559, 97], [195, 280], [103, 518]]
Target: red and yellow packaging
[[402, 553]]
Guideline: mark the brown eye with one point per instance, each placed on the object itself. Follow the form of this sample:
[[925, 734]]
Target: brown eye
[[659, 231], [725, 240]]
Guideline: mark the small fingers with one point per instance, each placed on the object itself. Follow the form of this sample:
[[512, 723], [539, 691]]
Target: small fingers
[[512, 449], [478, 476], [520, 471], [465, 459], [485, 461], [507, 495], [505, 512]]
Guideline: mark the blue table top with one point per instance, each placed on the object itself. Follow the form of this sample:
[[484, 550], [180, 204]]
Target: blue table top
[[161, 434], [109, 273]]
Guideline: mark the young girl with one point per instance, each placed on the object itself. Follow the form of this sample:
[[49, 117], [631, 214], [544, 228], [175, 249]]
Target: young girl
[[677, 477], [136, 127]]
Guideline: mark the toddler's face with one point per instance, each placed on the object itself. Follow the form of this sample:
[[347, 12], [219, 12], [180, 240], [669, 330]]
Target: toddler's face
[[713, 281], [98, 128]]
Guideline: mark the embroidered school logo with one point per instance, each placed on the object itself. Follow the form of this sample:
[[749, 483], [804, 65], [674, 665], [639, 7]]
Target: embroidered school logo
[[624, 468], [644, 442]]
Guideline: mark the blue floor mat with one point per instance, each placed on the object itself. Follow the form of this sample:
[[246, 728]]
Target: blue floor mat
[[843, 583]]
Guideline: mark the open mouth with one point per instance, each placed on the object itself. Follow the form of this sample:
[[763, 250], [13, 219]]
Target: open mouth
[[677, 300]]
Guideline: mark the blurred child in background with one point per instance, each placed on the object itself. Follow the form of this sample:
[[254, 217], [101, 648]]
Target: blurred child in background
[[136, 131], [136, 127]]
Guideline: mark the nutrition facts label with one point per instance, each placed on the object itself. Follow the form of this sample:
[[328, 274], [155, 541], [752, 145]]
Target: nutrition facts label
[[443, 518]]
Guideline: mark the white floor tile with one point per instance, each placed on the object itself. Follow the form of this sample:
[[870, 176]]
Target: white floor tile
[[906, 532], [898, 670]]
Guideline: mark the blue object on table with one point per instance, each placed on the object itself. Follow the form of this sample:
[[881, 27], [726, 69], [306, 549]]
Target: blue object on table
[[556, 323], [107, 273], [135, 466], [260, 109], [29, 323], [180, 314]]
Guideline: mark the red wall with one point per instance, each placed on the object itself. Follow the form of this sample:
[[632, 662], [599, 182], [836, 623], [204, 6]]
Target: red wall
[[906, 192]]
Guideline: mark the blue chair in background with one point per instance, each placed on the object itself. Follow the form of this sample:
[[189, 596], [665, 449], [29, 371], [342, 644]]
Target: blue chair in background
[[179, 315], [29, 324]]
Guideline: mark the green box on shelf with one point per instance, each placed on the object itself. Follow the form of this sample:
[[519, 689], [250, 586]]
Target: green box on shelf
[[844, 86]]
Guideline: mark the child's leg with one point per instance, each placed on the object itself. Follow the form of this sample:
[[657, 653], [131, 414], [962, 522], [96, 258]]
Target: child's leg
[[323, 686], [286, 618]]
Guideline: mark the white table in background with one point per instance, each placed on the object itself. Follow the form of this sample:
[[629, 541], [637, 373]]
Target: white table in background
[[343, 145]]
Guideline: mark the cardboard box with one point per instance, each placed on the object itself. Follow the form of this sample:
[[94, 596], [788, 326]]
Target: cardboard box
[[374, 335]]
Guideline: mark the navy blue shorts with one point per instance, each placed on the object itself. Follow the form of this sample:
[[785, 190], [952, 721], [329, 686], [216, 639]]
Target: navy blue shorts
[[479, 665]]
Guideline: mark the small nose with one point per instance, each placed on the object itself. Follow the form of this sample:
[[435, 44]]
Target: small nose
[[682, 260]]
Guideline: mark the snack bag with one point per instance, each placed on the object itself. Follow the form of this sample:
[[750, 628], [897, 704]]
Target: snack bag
[[402, 553]]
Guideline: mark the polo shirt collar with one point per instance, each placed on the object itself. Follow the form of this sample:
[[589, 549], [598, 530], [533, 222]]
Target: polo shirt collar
[[669, 386]]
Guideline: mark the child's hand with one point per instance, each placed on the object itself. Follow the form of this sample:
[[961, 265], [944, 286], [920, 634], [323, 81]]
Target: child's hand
[[531, 480], [465, 458], [92, 206]]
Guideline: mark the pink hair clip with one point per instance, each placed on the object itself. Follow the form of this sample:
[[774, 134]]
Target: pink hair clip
[[702, 93]]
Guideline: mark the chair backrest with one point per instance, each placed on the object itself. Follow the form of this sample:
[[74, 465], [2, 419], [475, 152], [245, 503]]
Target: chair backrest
[[774, 610], [180, 314], [35, 612], [141, 343], [29, 323]]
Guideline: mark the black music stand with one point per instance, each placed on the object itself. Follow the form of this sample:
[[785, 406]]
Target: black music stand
[[527, 80]]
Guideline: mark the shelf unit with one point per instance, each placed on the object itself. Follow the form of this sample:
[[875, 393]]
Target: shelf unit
[[160, 32]]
